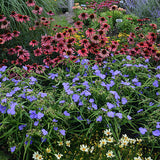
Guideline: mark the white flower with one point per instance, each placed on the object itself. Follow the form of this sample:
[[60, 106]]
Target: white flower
[[103, 142], [110, 139], [68, 143], [107, 132], [132, 141], [124, 143], [149, 158], [35, 155], [110, 154], [60, 143], [58, 156], [92, 148], [84, 148], [39, 157], [137, 158], [48, 150]]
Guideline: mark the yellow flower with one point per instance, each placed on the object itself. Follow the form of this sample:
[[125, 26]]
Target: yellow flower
[[48, 150]]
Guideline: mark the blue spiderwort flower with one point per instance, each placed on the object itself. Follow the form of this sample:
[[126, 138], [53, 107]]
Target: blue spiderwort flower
[[36, 123], [155, 83], [110, 105], [115, 95], [158, 125], [44, 132], [62, 101], [62, 132], [75, 97], [129, 117], [94, 106], [54, 120], [52, 75], [119, 115], [55, 128], [3, 109], [139, 110], [156, 133], [80, 118], [110, 114], [13, 149], [22, 126], [39, 115], [124, 100], [142, 130], [99, 119], [66, 113]]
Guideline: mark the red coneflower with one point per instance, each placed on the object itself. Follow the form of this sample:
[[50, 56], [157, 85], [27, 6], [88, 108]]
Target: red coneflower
[[43, 19], [25, 18], [132, 52], [2, 18], [60, 44], [40, 69], [79, 24], [47, 61], [141, 45], [90, 31], [95, 38], [146, 53], [50, 13], [2, 41], [141, 35], [83, 52], [55, 49], [33, 43], [104, 53], [4, 24], [38, 52], [47, 48], [153, 25], [83, 16], [112, 47], [101, 32], [103, 41], [30, 3], [71, 40], [17, 48]]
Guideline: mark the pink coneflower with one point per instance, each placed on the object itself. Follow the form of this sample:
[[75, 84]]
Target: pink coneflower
[[112, 47], [105, 27], [141, 35], [84, 42], [55, 49], [33, 43], [103, 41], [151, 36], [93, 16], [68, 52], [130, 40], [114, 7], [8, 36], [18, 48], [2, 18], [50, 13], [19, 18], [13, 14], [37, 10], [25, 18], [47, 61], [141, 45], [60, 44], [55, 29], [79, 24], [43, 19], [40, 69], [101, 32], [83, 16], [32, 28], [83, 52], [16, 33], [47, 48], [4, 24], [104, 53], [102, 20], [122, 51], [132, 35], [90, 31], [59, 36], [95, 38], [71, 40], [30, 3], [132, 52], [68, 46], [71, 31], [146, 53], [11, 51], [2, 41], [38, 52]]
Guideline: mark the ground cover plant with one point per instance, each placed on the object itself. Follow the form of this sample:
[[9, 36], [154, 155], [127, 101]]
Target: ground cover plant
[[87, 91]]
